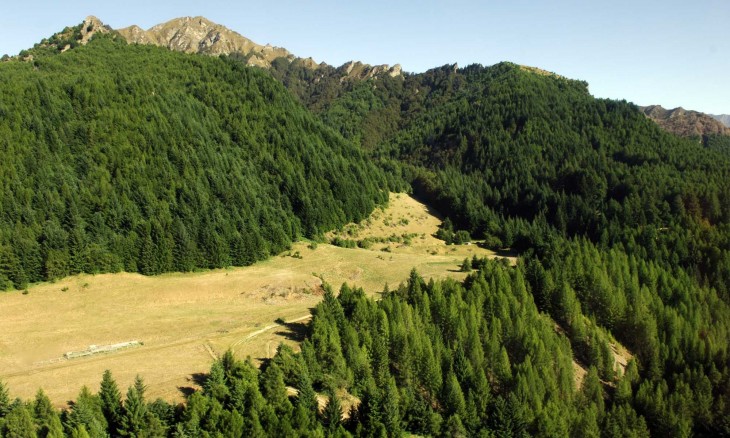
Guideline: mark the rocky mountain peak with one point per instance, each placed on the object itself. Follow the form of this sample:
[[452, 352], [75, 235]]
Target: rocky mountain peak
[[90, 27], [200, 35]]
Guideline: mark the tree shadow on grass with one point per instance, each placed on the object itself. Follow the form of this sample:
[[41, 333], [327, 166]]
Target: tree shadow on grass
[[198, 379], [265, 361], [186, 391], [294, 331]]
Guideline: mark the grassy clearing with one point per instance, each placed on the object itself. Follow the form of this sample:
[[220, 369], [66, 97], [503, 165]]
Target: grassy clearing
[[184, 320]]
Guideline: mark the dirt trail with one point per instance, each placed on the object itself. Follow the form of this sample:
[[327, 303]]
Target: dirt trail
[[265, 329]]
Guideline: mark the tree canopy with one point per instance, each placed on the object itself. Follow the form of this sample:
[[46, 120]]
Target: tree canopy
[[136, 158]]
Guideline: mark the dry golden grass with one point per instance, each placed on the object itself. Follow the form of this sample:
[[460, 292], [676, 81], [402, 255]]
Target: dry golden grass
[[184, 320]]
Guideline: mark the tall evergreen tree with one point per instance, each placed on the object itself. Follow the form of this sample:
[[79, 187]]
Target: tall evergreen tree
[[133, 421], [47, 420], [86, 416], [111, 400], [4, 400], [18, 423], [332, 413]]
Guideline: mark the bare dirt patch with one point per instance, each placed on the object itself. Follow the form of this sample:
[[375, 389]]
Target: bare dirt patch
[[184, 320]]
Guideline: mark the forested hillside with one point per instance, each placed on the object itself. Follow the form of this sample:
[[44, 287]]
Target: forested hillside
[[135, 158], [435, 359], [139, 159], [624, 229]]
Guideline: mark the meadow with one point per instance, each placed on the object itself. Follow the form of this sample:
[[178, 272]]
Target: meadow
[[184, 320]]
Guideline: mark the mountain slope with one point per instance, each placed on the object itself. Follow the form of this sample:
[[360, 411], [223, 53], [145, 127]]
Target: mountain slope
[[540, 143], [133, 157], [585, 189], [622, 230]]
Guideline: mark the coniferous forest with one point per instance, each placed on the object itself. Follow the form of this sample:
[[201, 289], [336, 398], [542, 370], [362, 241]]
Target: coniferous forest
[[134, 158], [129, 158]]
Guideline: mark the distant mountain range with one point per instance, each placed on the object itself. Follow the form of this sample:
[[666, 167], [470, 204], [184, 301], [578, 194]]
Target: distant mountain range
[[724, 118], [686, 123]]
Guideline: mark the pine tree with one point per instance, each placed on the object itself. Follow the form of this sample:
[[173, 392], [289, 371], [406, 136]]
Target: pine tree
[[44, 414], [111, 402], [274, 390], [391, 411], [503, 368], [306, 397], [132, 421], [453, 395], [466, 265], [332, 413], [4, 400], [80, 432], [592, 389], [86, 415], [215, 385], [18, 423], [55, 428], [455, 428], [586, 423]]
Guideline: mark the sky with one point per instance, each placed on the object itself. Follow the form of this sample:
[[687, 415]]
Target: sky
[[672, 53]]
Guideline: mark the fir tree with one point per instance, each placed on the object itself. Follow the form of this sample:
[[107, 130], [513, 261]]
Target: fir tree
[[18, 423], [111, 403], [4, 400], [132, 420], [332, 413]]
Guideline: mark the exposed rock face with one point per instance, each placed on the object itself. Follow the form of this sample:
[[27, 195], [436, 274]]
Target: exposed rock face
[[200, 35], [90, 27], [396, 70], [722, 118], [358, 70], [135, 34], [685, 123]]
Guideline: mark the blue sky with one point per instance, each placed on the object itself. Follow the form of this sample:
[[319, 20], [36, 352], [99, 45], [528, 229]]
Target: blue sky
[[673, 53]]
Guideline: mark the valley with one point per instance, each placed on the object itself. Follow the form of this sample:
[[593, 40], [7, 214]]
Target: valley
[[184, 320]]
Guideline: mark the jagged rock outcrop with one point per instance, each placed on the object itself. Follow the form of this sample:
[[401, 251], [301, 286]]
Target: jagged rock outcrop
[[358, 70], [200, 35], [90, 27], [685, 123], [64, 40]]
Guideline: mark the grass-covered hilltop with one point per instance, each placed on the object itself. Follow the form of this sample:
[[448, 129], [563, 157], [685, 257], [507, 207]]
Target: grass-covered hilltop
[[613, 322]]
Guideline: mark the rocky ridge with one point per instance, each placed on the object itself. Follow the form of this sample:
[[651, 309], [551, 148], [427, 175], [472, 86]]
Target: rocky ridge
[[685, 123], [202, 36]]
